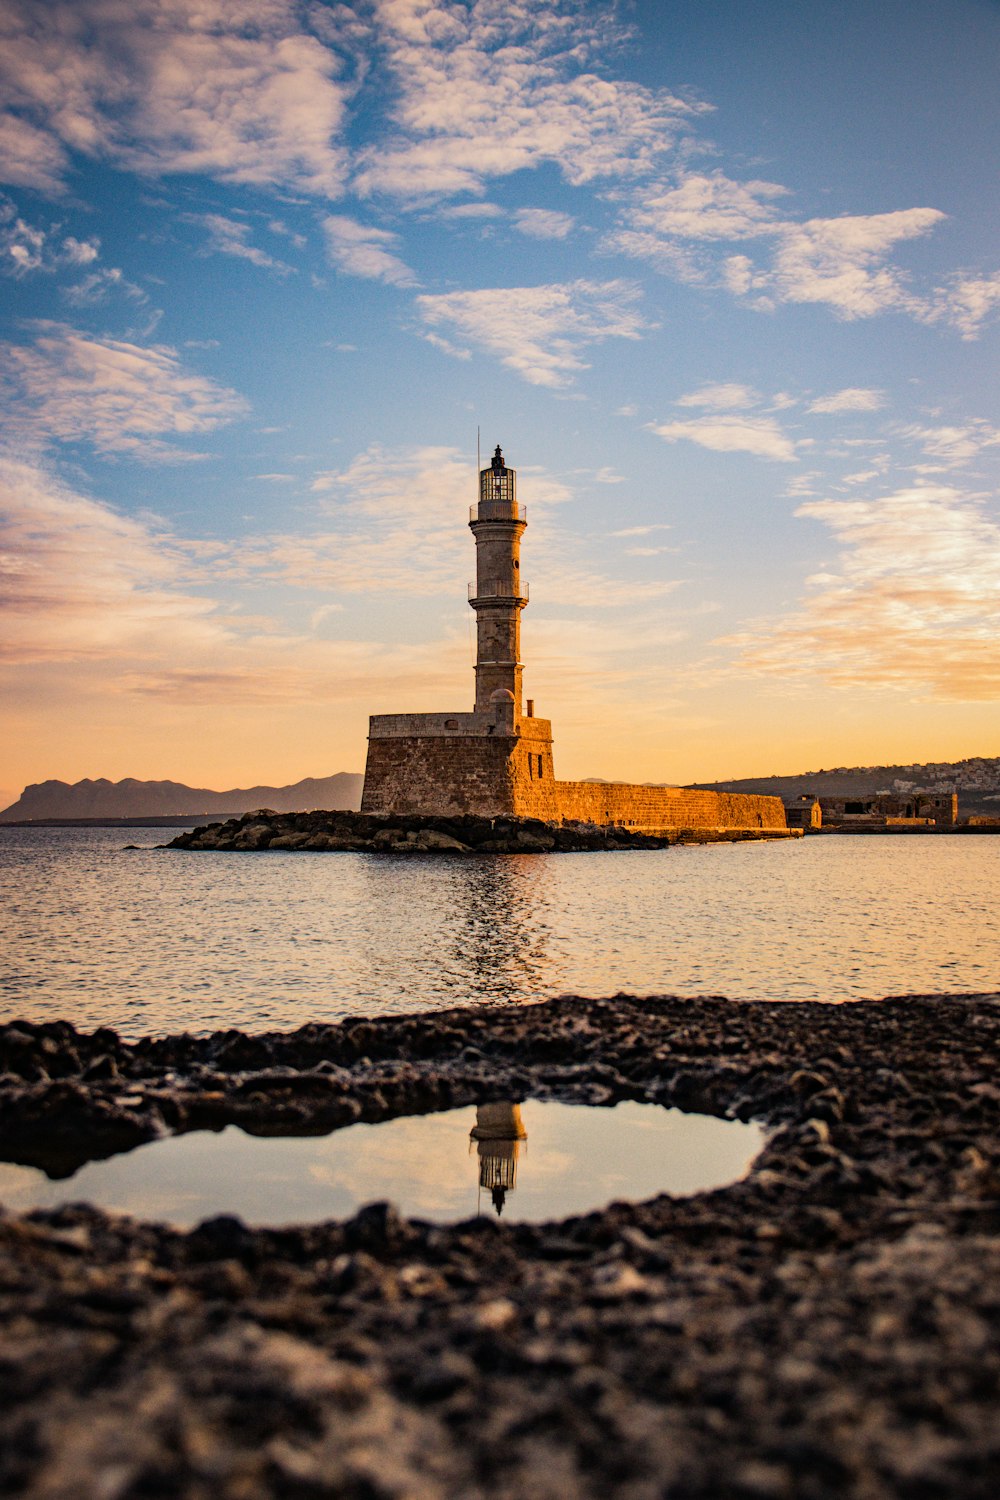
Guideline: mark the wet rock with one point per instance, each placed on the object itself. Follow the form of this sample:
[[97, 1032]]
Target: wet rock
[[825, 1328], [328, 832]]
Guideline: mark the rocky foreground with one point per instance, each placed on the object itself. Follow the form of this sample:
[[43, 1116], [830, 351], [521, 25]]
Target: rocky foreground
[[825, 1328], [418, 833]]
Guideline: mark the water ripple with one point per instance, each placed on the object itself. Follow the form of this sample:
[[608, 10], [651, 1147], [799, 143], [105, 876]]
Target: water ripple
[[153, 941]]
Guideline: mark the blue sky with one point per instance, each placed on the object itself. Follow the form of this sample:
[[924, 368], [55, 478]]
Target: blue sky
[[723, 279]]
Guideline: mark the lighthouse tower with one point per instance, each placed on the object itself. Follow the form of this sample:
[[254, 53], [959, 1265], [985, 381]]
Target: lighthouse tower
[[498, 594], [496, 759]]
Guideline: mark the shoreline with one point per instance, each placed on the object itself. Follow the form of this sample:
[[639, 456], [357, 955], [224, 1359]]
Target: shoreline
[[825, 1327]]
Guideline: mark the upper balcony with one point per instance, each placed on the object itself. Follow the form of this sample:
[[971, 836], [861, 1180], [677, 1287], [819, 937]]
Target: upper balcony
[[497, 510], [495, 592]]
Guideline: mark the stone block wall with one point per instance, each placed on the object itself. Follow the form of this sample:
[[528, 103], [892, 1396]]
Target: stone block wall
[[491, 774], [652, 808], [439, 774]]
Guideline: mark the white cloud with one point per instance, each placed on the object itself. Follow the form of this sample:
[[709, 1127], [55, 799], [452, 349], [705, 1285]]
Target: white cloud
[[704, 207], [472, 211], [121, 397], [231, 237], [394, 522], [727, 397], [360, 250], [953, 447], [539, 331], [130, 607], [760, 436], [968, 303], [844, 263], [543, 223], [98, 286], [27, 247], [852, 398], [841, 262], [80, 580], [234, 89], [912, 603], [487, 89], [30, 157]]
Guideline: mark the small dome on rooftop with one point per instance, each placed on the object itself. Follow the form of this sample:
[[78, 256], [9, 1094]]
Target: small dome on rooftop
[[502, 695]]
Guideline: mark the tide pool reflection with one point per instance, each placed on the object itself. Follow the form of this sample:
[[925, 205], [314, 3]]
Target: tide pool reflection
[[581, 1159], [498, 1133]]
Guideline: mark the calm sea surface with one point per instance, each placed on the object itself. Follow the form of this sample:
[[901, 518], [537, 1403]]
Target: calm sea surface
[[152, 941]]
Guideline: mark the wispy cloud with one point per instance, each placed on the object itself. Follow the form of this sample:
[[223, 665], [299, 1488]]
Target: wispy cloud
[[25, 247], [539, 331], [135, 610], [99, 285], [122, 397], [760, 436], [953, 446], [361, 250], [543, 223], [700, 206], [911, 604], [232, 237], [80, 580], [852, 398], [392, 522], [726, 397], [969, 302], [238, 90], [485, 90], [844, 263]]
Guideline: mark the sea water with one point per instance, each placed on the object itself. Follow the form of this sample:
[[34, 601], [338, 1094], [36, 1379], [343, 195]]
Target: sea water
[[152, 941]]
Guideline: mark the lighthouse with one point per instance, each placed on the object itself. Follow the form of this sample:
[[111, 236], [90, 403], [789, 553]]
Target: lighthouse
[[498, 594], [495, 760]]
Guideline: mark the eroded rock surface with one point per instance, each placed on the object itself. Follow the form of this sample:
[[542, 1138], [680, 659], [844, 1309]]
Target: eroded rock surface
[[825, 1328]]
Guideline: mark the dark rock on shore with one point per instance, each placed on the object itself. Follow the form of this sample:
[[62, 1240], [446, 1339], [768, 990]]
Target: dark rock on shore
[[312, 832], [824, 1329]]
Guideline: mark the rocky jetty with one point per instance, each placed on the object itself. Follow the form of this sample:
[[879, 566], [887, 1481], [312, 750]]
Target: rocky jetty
[[823, 1330], [312, 832]]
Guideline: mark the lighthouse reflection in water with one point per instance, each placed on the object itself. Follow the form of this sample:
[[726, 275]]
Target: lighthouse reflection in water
[[498, 1134], [582, 1158]]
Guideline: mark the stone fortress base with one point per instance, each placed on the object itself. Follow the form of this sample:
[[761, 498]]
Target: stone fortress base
[[497, 760], [470, 763]]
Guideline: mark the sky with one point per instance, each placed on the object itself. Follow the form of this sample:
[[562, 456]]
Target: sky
[[723, 280]]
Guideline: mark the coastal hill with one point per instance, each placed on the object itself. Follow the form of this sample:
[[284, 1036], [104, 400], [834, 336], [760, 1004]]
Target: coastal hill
[[159, 799], [976, 780]]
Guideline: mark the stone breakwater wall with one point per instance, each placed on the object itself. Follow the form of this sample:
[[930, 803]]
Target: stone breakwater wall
[[824, 1329], [492, 775], [328, 832]]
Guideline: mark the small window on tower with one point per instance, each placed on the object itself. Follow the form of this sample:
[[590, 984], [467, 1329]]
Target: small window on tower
[[539, 768]]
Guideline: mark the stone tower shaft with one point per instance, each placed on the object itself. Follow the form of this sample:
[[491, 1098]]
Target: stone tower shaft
[[498, 595]]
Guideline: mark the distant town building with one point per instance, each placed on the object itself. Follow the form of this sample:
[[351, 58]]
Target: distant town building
[[888, 809], [498, 759], [804, 812]]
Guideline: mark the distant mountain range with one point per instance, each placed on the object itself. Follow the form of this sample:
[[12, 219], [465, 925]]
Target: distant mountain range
[[976, 780], [147, 799]]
